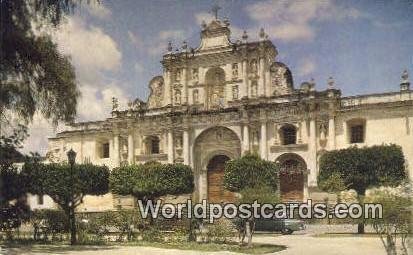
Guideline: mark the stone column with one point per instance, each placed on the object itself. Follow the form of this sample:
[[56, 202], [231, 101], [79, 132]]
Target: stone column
[[116, 156], [276, 134], [299, 133], [185, 86], [263, 142], [332, 133], [185, 152], [313, 152], [245, 139], [267, 81], [167, 82], [261, 89], [170, 147], [131, 148], [244, 86]]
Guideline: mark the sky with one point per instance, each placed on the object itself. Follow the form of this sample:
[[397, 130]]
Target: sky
[[116, 46]]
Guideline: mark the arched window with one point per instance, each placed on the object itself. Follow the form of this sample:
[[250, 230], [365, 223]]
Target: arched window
[[288, 134], [152, 145]]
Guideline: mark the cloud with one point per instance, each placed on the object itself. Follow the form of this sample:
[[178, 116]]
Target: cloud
[[306, 67], [96, 101], [294, 20], [98, 10], [136, 40], [91, 49], [203, 16], [176, 36], [93, 53]]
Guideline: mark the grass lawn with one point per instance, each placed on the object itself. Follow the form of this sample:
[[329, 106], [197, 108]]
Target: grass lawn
[[233, 247]]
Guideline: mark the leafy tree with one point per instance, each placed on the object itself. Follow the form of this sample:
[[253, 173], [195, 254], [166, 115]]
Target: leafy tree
[[248, 172], [13, 204], [361, 168], [34, 76], [256, 180], [152, 180], [397, 213], [65, 185]]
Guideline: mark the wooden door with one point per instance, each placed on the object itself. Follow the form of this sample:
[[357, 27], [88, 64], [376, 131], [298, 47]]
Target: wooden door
[[291, 181], [216, 191]]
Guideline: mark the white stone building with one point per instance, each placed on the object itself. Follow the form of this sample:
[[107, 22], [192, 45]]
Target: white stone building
[[224, 98]]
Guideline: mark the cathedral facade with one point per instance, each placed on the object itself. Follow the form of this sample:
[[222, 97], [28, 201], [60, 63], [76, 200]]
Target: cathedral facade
[[224, 99]]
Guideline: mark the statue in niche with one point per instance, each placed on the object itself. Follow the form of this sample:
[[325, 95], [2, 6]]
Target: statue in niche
[[215, 99], [254, 89], [255, 137], [253, 66], [115, 104], [217, 78], [195, 96], [156, 86], [235, 70], [323, 131], [195, 74], [177, 97], [178, 74], [235, 92]]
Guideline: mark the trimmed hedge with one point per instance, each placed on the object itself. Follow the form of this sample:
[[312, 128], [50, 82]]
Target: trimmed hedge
[[359, 168], [152, 180]]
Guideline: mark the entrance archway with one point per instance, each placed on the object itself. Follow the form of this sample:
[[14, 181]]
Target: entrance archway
[[216, 191], [212, 148], [292, 177]]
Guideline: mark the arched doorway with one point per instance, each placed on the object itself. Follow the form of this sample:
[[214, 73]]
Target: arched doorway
[[212, 148], [292, 177], [216, 191]]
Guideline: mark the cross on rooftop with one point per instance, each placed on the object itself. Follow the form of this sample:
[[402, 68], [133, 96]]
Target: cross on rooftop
[[215, 8]]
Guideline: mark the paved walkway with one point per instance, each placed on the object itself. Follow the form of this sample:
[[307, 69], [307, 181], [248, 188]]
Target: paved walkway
[[300, 243], [297, 244]]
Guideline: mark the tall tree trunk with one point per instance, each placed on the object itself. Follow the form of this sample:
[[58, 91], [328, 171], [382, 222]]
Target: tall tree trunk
[[72, 220], [249, 231]]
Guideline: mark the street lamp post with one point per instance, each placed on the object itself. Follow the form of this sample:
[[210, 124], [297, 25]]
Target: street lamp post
[[278, 176], [71, 156]]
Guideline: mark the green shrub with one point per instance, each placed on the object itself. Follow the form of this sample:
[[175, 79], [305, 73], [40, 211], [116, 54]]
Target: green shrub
[[48, 222], [220, 231], [360, 168]]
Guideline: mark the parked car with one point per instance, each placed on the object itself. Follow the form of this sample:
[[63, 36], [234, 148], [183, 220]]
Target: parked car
[[285, 226]]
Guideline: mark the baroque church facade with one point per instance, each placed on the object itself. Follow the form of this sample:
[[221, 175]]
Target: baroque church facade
[[224, 99]]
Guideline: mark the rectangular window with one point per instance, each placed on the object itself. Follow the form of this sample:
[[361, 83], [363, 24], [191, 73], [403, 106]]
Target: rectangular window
[[105, 150], [357, 134], [40, 200], [155, 147]]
